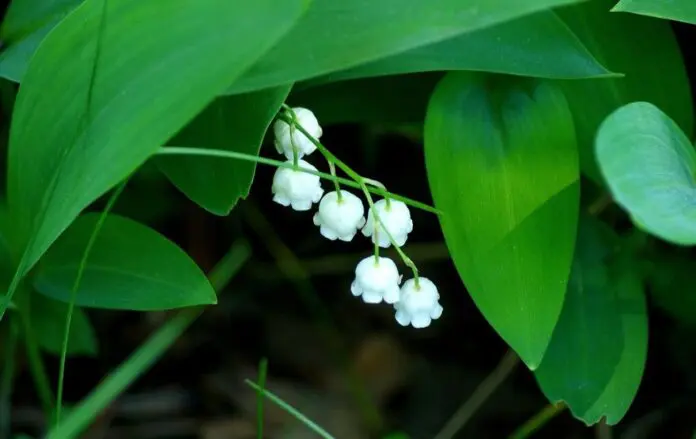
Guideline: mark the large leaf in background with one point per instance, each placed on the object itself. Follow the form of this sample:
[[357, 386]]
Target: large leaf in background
[[337, 35], [539, 45], [48, 322], [235, 123], [591, 339], [83, 122], [25, 24], [502, 165], [650, 167], [392, 99], [678, 10], [657, 75], [25, 16], [130, 267]]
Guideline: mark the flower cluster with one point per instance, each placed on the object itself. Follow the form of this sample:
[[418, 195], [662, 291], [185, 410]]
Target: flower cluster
[[341, 215]]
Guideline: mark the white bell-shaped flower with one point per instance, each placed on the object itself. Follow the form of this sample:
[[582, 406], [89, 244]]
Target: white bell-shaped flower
[[340, 218], [285, 135], [396, 218], [296, 188], [376, 280], [418, 306]]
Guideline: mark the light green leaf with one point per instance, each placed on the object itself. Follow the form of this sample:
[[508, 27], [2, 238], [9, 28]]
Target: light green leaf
[[678, 10], [657, 75], [591, 340], [130, 267], [538, 45], [502, 165], [234, 123], [650, 168], [48, 323], [79, 128], [336, 36]]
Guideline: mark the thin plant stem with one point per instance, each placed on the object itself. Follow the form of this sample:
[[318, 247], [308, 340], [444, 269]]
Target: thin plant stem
[[337, 186], [181, 150], [488, 386], [36, 365], [147, 354], [263, 372], [73, 297], [537, 421], [361, 181], [8, 374], [407, 261], [292, 410]]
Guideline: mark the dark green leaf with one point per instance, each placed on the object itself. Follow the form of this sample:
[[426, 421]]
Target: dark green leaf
[[25, 16], [336, 36], [130, 267], [672, 287], [502, 166], [539, 45], [48, 323], [650, 168], [596, 357], [679, 10], [657, 75], [80, 127], [236, 123], [392, 99]]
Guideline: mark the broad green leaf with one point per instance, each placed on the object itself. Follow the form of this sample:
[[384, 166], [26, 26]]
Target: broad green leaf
[[623, 386], [392, 99], [48, 323], [83, 122], [539, 45], [591, 337], [678, 10], [650, 167], [236, 123], [671, 285], [15, 58], [502, 165], [25, 16], [336, 36], [657, 75], [130, 267]]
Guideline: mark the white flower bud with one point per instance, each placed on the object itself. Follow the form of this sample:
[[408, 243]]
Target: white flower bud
[[396, 218], [340, 219], [418, 306], [285, 135], [376, 280], [296, 188]]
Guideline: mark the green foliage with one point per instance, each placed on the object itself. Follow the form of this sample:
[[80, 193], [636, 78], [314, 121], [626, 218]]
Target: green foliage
[[597, 353], [649, 165], [549, 50], [669, 278], [130, 267], [337, 36], [83, 123], [502, 166], [515, 99], [48, 322], [235, 123], [657, 75], [679, 10]]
